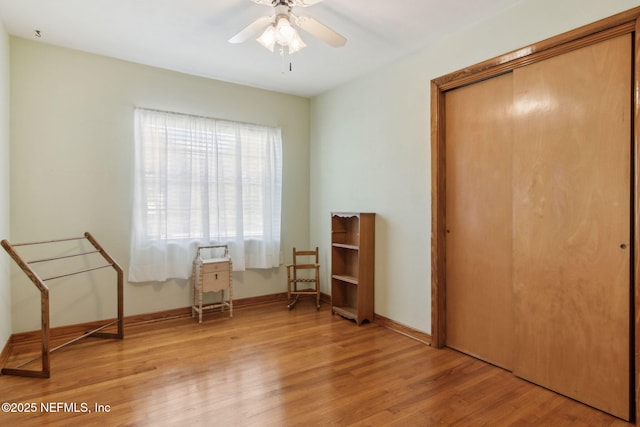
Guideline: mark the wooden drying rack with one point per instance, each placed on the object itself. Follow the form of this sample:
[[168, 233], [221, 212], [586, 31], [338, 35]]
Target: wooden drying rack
[[44, 299]]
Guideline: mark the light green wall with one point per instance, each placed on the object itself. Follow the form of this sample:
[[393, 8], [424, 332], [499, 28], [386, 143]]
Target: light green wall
[[71, 167], [370, 145], [5, 287]]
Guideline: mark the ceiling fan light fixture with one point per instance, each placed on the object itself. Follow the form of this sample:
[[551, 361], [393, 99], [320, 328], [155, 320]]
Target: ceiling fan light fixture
[[268, 38], [296, 43], [282, 33]]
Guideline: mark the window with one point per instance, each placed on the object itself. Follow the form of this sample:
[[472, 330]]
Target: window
[[199, 181]]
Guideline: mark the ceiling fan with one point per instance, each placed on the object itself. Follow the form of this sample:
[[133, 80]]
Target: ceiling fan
[[277, 29]]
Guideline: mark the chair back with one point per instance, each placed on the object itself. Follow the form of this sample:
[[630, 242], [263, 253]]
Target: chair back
[[305, 259]]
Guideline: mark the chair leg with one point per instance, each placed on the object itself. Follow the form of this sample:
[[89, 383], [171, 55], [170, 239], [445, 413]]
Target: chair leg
[[289, 288], [317, 288], [289, 303], [295, 300], [295, 290]]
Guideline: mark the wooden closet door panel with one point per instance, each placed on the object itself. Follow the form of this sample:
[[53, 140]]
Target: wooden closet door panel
[[478, 220], [571, 222]]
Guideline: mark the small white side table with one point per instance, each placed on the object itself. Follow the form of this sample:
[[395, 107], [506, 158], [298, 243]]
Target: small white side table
[[212, 275]]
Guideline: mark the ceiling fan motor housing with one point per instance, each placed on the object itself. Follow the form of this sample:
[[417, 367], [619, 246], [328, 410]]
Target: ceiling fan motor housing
[[282, 10]]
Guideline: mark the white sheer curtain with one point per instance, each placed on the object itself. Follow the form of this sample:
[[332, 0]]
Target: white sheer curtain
[[199, 181]]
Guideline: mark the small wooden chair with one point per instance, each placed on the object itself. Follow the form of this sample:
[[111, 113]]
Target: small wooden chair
[[303, 260]]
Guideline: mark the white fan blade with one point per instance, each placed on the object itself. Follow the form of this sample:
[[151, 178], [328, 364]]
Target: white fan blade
[[252, 29], [264, 2], [304, 3], [319, 30]]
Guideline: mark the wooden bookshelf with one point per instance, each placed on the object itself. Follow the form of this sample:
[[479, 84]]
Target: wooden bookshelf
[[352, 265]]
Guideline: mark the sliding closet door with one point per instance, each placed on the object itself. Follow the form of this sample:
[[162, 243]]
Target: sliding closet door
[[478, 220], [571, 224]]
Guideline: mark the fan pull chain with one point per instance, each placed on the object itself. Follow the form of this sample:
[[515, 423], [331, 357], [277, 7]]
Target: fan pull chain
[[282, 60]]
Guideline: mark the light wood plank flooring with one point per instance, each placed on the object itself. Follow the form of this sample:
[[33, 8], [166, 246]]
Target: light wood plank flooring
[[268, 366]]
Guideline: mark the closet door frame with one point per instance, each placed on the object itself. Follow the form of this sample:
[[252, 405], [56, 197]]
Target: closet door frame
[[624, 23]]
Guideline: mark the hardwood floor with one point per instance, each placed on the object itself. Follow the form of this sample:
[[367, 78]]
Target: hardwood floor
[[268, 366]]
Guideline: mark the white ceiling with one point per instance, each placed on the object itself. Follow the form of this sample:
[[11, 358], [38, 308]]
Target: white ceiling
[[191, 36]]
